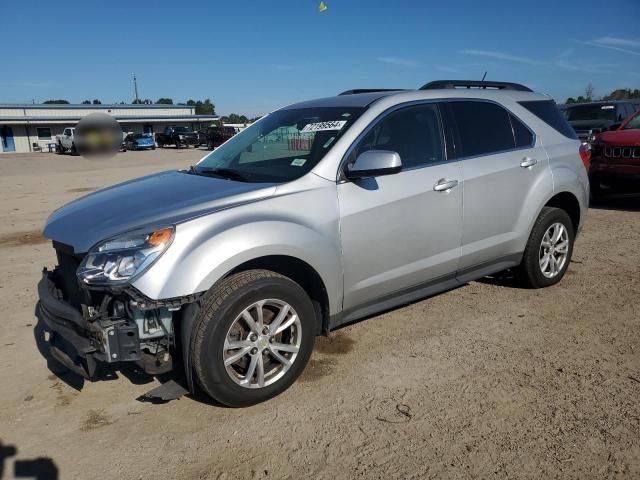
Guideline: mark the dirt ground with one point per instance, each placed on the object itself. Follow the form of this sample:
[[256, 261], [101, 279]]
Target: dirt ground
[[486, 381]]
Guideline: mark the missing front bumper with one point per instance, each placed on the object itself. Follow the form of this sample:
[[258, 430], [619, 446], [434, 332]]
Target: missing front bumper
[[82, 343]]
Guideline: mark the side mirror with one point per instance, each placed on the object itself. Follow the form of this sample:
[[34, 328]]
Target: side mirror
[[374, 163]]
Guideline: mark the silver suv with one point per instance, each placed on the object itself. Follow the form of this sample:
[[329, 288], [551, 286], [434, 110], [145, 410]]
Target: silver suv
[[320, 214]]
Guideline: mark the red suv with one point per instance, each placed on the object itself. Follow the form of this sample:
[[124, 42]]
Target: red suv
[[615, 159]]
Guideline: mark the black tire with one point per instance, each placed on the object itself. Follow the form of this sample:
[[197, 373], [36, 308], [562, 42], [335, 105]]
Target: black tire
[[153, 148], [59, 149], [73, 149], [220, 307], [530, 271]]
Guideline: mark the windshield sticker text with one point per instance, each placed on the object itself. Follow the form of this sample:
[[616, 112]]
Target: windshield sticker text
[[324, 126]]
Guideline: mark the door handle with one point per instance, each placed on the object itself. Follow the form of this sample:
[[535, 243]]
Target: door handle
[[445, 185], [528, 162]]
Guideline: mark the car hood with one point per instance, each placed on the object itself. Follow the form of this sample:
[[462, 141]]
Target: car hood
[[160, 199], [623, 138], [589, 124], [143, 140]]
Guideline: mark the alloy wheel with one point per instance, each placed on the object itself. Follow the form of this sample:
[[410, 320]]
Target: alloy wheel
[[554, 250], [262, 343]]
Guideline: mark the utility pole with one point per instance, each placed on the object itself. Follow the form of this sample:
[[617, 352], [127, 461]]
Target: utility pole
[[135, 87]]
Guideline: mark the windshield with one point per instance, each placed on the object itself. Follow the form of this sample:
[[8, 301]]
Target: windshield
[[280, 147], [591, 112], [633, 123], [140, 135]]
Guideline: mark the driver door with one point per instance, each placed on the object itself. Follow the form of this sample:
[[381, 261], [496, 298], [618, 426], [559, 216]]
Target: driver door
[[401, 232]]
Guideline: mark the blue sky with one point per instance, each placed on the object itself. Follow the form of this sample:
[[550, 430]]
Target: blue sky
[[252, 56]]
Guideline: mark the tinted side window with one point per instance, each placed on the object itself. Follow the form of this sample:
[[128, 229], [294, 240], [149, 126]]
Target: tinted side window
[[523, 136], [413, 132], [547, 111], [483, 127]]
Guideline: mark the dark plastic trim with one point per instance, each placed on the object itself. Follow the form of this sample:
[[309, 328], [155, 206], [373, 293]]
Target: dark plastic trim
[[355, 91], [448, 84]]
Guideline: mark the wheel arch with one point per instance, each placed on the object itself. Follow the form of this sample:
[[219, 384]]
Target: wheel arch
[[568, 202], [300, 272]]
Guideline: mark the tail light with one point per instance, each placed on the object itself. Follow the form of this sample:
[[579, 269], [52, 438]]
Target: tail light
[[585, 154]]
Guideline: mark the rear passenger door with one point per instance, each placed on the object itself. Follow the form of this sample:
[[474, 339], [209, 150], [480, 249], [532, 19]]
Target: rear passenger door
[[501, 165]]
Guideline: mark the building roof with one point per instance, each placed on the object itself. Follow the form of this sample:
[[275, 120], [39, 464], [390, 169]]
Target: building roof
[[73, 106], [32, 120]]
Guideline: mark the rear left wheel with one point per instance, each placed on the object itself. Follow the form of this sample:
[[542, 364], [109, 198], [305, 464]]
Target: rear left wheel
[[549, 249], [253, 337]]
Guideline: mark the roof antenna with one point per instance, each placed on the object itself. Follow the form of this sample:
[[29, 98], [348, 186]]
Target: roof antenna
[[484, 76]]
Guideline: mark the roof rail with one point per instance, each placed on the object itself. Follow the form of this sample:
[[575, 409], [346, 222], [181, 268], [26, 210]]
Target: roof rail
[[440, 84], [370, 90]]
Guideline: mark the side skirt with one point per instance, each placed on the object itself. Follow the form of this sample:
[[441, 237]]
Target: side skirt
[[421, 291]]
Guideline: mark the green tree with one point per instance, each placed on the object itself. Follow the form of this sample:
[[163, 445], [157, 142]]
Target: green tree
[[205, 108], [234, 118], [623, 94], [202, 108], [56, 102], [97, 102], [86, 102], [165, 101], [570, 100]]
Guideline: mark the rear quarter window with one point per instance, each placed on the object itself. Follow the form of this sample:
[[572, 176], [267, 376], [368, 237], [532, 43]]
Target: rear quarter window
[[522, 135], [548, 112]]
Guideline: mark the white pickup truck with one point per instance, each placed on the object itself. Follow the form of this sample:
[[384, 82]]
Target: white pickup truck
[[66, 141]]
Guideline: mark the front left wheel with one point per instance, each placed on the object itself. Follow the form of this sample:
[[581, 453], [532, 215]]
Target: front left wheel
[[252, 337]]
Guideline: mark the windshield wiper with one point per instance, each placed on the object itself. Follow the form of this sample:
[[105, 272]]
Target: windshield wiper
[[221, 172]]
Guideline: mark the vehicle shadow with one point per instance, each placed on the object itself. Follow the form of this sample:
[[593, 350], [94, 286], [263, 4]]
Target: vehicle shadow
[[41, 468], [625, 203], [506, 278]]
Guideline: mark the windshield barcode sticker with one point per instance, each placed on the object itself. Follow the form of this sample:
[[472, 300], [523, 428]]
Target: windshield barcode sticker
[[323, 126]]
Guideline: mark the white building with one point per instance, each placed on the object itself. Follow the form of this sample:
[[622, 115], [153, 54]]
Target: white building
[[29, 128]]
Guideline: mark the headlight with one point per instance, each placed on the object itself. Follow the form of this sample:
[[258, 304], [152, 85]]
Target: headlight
[[181, 137], [119, 259]]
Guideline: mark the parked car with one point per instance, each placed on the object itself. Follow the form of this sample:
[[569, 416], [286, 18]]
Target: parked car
[[66, 141], [235, 265], [216, 136], [615, 166], [589, 119], [139, 141], [178, 136]]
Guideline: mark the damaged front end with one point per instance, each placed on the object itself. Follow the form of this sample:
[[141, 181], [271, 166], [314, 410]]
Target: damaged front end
[[97, 318]]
